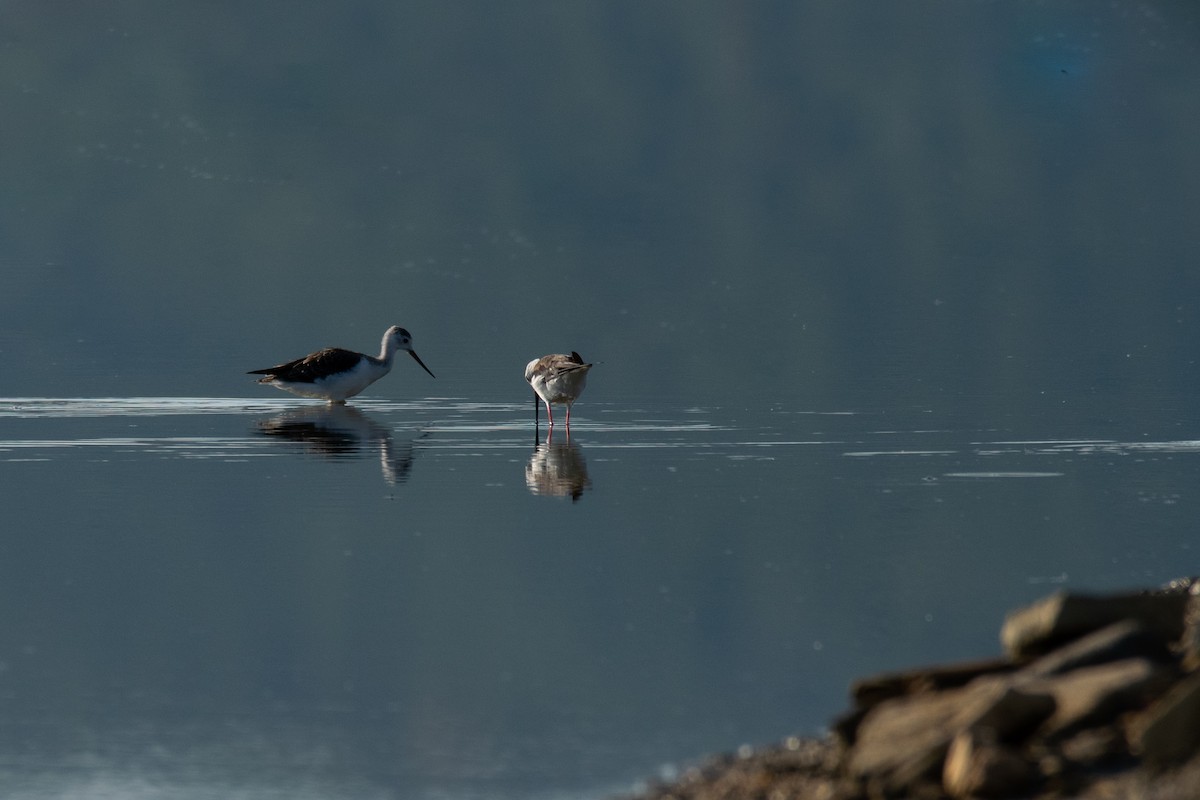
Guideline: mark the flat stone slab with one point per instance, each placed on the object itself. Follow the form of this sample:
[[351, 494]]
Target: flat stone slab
[[904, 740], [1097, 695], [1125, 639], [1169, 731], [1061, 617], [870, 691]]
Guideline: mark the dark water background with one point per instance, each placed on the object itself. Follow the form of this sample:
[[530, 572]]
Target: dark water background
[[894, 310]]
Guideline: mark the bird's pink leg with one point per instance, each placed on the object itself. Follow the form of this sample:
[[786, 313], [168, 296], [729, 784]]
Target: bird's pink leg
[[550, 414]]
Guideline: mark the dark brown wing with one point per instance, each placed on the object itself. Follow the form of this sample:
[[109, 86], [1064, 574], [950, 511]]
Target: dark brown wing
[[560, 368], [313, 367], [570, 365]]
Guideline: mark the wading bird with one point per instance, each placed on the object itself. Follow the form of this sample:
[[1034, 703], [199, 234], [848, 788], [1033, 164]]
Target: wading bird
[[334, 374], [557, 379]]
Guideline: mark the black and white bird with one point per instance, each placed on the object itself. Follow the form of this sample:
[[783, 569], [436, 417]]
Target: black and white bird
[[334, 374], [558, 379]]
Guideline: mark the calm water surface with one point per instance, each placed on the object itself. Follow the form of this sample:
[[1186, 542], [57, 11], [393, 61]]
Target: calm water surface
[[223, 597], [894, 309]]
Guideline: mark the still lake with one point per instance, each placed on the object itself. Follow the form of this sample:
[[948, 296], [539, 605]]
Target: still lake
[[894, 308], [234, 597]]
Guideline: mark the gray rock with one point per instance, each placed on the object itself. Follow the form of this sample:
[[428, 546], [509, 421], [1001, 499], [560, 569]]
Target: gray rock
[[904, 740], [977, 766], [867, 692], [1094, 747], [1169, 731], [1191, 634], [1125, 639], [870, 692], [1094, 696], [1043, 626]]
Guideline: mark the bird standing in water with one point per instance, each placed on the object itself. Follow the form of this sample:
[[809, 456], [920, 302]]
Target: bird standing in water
[[334, 374], [557, 379]]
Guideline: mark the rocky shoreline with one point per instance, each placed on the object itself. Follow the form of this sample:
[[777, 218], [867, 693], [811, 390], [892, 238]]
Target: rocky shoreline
[[1096, 697]]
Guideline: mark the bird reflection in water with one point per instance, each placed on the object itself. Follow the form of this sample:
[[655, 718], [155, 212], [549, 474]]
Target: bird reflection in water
[[340, 431], [557, 469]]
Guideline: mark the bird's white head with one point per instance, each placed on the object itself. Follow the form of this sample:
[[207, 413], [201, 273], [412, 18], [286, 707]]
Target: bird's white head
[[529, 368], [397, 338]]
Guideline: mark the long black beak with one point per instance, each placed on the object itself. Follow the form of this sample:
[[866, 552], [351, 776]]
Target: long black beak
[[417, 358]]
